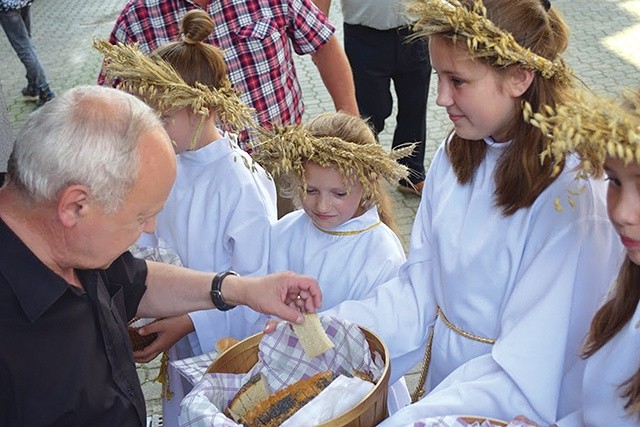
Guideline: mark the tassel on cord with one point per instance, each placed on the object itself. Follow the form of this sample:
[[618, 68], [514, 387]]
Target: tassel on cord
[[163, 377]]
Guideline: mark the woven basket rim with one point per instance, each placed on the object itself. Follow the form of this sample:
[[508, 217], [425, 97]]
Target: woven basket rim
[[494, 421], [380, 388]]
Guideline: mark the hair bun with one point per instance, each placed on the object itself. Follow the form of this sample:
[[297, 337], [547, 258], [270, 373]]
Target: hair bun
[[196, 26]]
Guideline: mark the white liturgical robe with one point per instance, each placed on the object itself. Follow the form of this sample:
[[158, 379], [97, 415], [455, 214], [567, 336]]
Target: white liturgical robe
[[218, 217], [220, 209], [606, 370], [346, 267], [531, 281], [348, 261]]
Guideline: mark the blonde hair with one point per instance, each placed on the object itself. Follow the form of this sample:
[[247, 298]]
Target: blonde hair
[[340, 141], [354, 129], [520, 176]]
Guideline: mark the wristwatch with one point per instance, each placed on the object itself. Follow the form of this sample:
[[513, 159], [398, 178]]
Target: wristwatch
[[216, 291]]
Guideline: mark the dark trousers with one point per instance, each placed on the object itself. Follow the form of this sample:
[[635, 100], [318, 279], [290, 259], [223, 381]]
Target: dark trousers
[[17, 26], [376, 58]]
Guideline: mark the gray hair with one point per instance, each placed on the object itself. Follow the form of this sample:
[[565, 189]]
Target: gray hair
[[90, 136]]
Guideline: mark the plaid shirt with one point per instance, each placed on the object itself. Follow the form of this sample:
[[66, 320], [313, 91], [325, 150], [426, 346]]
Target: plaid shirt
[[256, 36]]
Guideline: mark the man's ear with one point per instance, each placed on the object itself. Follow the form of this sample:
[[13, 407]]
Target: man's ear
[[73, 204], [519, 80]]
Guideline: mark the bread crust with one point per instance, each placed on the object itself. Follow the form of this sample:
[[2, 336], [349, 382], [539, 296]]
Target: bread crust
[[285, 402], [248, 396]]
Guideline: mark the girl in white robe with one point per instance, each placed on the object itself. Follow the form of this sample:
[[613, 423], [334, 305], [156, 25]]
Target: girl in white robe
[[350, 254], [344, 234], [505, 266], [611, 384], [221, 207]]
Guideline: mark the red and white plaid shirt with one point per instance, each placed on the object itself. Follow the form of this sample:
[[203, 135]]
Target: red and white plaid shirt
[[256, 37]]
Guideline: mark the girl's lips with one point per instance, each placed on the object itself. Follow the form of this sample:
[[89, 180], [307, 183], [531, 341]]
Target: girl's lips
[[628, 242], [455, 117], [322, 216]]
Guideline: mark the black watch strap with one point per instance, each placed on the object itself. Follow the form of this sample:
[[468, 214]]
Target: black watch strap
[[216, 291]]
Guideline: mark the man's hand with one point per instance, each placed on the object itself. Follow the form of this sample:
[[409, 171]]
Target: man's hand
[[169, 331], [285, 294]]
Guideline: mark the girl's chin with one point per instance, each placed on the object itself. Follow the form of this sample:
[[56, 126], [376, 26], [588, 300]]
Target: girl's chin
[[634, 256], [465, 132]]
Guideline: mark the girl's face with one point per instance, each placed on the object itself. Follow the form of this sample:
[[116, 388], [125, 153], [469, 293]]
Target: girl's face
[[480, 101], [623, 203], [326, 200], [180, 128]]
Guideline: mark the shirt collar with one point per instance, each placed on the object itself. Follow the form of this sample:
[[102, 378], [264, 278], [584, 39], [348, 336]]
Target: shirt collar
[[35, 286]]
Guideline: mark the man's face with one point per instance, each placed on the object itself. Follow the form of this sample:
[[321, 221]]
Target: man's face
[[103, 237]]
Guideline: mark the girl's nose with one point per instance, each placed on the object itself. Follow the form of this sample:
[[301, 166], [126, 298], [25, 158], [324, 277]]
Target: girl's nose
[[322, 203], [625, 208], [444, 98]]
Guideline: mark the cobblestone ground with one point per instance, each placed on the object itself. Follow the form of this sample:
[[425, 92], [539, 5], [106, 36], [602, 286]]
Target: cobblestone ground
[[604, 51]]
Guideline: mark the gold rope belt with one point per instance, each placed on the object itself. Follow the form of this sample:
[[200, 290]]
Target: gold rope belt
[[419, 391]]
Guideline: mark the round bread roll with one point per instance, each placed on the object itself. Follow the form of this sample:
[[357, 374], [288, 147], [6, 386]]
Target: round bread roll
[[225, 343]]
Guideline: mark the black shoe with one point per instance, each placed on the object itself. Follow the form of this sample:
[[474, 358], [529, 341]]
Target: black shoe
[[44, 97], [30, 91]]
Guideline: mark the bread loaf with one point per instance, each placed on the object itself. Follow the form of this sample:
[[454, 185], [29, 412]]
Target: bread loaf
[[285, 402], [224, 343], [139, 342], [250, 394]]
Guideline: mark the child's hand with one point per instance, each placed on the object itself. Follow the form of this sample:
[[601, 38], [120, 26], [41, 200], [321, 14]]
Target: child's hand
[[169, 331], [270, 326]]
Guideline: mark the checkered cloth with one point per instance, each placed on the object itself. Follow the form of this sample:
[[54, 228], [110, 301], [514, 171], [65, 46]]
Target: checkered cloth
[[460, 421], [194, 368], [282, 361], [153, 248]]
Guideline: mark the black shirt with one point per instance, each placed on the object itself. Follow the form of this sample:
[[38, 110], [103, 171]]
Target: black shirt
[[65, 356]]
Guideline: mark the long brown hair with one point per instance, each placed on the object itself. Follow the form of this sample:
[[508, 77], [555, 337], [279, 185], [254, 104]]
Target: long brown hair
[[194, 59], [611, 318], [356, 130], [520, 176]]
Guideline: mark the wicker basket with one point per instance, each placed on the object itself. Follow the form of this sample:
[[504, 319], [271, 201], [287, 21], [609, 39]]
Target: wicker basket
[[370, 411], [494, 423]]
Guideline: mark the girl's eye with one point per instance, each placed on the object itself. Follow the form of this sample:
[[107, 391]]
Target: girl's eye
[[341, 194], [311, 191], [613, 180]]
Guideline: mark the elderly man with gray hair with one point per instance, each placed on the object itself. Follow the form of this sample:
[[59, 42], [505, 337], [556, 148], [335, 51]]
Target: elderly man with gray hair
[[88, 173]]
